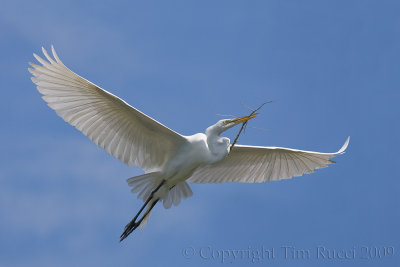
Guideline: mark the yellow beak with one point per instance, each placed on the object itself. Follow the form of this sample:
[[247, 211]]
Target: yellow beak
[[244, 119]]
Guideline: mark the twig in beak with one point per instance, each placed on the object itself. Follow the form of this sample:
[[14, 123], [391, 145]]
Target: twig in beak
[[245, 123]]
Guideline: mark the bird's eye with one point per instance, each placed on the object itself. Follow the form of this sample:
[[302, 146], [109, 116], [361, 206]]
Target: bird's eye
[[226, 122]]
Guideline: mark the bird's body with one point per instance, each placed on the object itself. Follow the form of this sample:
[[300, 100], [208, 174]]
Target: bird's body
[[199, 149], [183, 163], [169, 159]]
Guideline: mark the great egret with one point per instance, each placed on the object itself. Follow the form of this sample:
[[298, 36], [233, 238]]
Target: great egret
[[167, 157]]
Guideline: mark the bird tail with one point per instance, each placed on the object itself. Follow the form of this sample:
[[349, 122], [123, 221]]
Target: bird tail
[[144, 184], [176, 194], [150, 188]]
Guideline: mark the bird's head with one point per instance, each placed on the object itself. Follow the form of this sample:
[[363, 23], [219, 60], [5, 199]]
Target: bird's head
[[223, 125]]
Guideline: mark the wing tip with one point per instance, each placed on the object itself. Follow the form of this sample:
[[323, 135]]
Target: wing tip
[[344, 147], [55, 55]]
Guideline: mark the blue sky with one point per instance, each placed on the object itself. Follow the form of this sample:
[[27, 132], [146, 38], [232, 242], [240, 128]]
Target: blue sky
[[330, 67]]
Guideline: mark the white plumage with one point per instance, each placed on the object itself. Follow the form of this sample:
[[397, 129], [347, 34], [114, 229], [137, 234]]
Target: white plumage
[[255, 164], [168, 158], [123, 131]]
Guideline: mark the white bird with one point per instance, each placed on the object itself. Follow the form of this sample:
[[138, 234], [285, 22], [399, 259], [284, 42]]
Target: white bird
[[168, 158]]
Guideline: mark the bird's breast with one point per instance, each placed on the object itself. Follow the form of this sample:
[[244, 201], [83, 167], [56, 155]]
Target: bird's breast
[[190, 156]]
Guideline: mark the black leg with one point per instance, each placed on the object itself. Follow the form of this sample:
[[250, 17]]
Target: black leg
[[132, 225]]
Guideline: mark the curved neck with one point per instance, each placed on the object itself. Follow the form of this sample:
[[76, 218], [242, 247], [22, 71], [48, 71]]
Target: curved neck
[[214, 142], [213, 130], [217, 145], [213, 137]]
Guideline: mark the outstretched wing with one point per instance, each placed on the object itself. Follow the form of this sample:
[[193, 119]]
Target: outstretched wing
[[252, 164], [123, 131]]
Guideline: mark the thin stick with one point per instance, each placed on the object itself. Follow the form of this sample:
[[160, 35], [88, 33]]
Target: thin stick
[[246, 106], [244, 124], [224, 115]]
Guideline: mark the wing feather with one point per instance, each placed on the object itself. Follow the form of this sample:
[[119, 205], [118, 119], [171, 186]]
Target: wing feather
[[123, 131], [249, 164]]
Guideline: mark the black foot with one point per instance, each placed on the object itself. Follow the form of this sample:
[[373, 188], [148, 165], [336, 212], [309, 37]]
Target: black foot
[[130, 227]]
